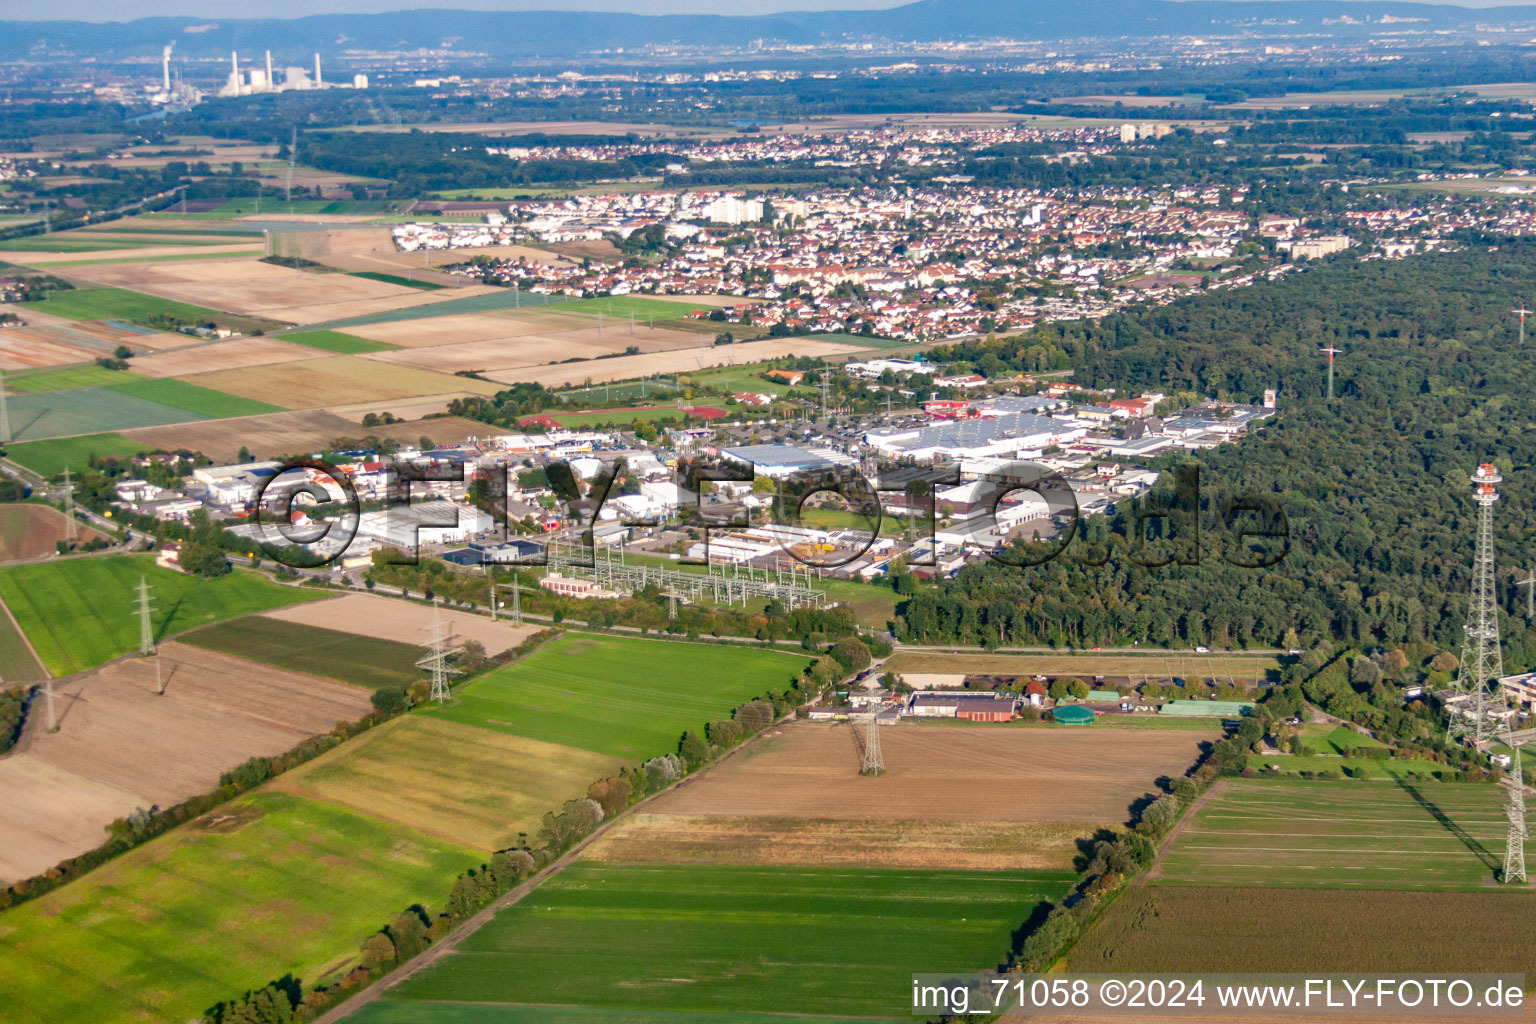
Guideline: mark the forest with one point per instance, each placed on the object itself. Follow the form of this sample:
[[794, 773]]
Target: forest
[[1374, 486]]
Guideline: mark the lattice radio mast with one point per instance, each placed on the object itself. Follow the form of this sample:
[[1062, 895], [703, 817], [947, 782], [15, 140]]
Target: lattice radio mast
[[1331, 352], [146, 634], [874, 764], [1481, 661], [71, 529]]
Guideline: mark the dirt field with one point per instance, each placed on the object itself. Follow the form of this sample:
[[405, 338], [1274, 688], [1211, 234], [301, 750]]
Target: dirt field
[[677, 361], [465, 328], [121, 746], [46, 340], [953, 795], [539, 349], [409, 408], [389, 619], [287, 433], [234, 354], [30, 531], [148, 251], [335, 380]]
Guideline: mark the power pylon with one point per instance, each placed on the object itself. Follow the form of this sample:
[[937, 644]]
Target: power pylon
[[1331, 352], [1529, 583], [71, 529], [1514, 844], [873, 764], [436, 658], [1523, 312], [671, 603], [53, 719], [5, 417], [1481, 661], [146, 634]]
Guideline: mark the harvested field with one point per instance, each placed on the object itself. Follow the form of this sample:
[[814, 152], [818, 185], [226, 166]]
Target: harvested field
[[539, 349], [953, 796], [676, 361], [234, 354], [124, 745], [465, 328], [22, 348], [335, 380], [391, 619], [403, 408], [286, 433], [31, 531], [490, 787], [1187, 665], [130, 251]]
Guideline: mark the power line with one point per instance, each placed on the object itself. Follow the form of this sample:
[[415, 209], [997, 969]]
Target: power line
[[146, 634]]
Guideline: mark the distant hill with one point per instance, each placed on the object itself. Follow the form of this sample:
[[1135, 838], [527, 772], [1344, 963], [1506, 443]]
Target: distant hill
[[555, 33]]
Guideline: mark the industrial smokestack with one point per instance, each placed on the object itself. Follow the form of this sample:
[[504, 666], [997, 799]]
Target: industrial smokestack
[[234, 63], [270, 80], [165, 68], [317, 69]]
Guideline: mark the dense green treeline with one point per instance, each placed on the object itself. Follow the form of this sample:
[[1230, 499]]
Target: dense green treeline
[[1374, 487]]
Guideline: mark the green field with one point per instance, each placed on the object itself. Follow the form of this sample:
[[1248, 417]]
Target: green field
[[727, 939], [633, 392], [335, 341], [406, 282], [655, 414], [88, 376], [457, 1013], [1357, 835], [620, 696], [118, 304], [1163, 929], [360, 660], [490, 787], [48, 458], [80, 613], [200, 401], [17, 665], [641, 307], [52, 414], [205, 913], [80, 243], [1293, 765]]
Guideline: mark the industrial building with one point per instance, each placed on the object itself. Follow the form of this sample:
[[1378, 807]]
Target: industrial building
[[1011, 434]]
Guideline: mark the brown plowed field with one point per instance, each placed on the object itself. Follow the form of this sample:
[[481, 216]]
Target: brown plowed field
[[121, 746], [234, 354], [389, 619], [32, 531], [463, 328], [335, 380], [285, 433], [953, 795]]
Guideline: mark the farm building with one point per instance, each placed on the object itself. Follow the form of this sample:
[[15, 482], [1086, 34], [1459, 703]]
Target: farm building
[[1208, 708], [1073, 714], [974, 707]]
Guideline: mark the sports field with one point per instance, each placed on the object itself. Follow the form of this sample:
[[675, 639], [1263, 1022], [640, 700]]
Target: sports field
[[360, 660], [1355, 835], [619, 696], [651, 937], [80, 613], [337, 342], [88, 376], [48, 458], [467, 785], [265, 885]]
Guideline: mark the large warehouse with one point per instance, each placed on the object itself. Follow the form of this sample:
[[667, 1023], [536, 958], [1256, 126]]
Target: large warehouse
[[1007, 435]]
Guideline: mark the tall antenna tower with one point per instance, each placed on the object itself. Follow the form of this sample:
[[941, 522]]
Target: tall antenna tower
[[1523, 313], [1331, 352], [71, 529], [873, 764], [438, 652], [1481, 661], [1514, 844], [146, 634], [5, 417]]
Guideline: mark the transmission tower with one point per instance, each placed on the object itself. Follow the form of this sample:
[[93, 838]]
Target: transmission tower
[[1481, 662], [5, 417], [1331, 352], [873, 764], [1514, 845], [671, 603], [71, 530], [1523, 312], [53, 719], [1529, 583], [146, 634], [436, 658]]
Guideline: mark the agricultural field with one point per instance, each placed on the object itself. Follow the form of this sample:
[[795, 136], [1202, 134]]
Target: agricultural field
[[286, 433], [88, 376], [236, 354], [361, 661], [122, 304], [652, 413], [31, 531], [730, 939], [1242, 667], [619, 696], [682, 360], [262, 886], [468, 785], [79, 613], [1342, 835], [639, 306], [49, 458], [52, 414], [189, 398], [337, 342], [976, 796], [404, 282], [121, 745], [1165, 929], [331, 380], [17, 662], [391, 619]]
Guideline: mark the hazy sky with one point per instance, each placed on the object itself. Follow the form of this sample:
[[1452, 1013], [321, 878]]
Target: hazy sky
[[127, 10]]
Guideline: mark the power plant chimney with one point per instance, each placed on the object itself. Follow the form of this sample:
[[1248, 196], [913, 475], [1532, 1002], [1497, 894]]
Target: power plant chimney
[[165, 68], [271, 82], [234, 64], [317, 70]]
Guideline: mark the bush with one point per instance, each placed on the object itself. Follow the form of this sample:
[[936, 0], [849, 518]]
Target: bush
[[390, 699]]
